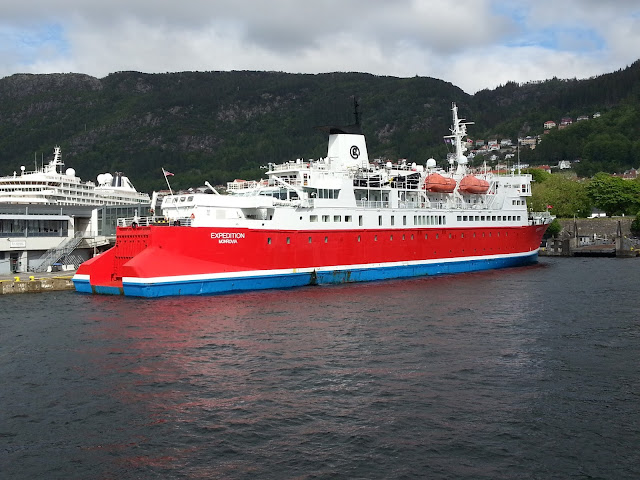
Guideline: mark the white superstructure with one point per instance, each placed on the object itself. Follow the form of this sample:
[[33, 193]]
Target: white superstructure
[[50, 185]]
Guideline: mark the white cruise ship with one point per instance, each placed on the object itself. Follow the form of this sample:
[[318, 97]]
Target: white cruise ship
[[51, 185]]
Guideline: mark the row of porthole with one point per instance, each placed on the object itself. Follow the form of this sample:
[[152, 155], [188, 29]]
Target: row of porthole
[[375, 237]]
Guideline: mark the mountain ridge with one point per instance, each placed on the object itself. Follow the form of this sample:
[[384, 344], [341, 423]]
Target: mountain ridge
[[217, 126]]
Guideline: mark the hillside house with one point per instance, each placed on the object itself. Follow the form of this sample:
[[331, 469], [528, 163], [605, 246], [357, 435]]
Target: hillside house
[[549, 124], [566, 121], [583, 117]]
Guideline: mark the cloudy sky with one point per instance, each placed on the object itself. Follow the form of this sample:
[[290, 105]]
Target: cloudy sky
[[473, 44]]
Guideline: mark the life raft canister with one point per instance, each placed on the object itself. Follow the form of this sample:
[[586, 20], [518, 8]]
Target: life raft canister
[[193, 216]]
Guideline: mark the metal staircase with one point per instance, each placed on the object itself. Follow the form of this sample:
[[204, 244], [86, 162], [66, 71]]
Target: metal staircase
[[63, 254]]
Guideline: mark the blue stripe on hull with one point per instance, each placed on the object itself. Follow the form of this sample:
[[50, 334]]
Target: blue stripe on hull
[[441, 268], [205, 287], [212, 286], [82, 286]]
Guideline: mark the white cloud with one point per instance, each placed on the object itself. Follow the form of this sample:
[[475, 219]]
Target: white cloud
[[474, 44]]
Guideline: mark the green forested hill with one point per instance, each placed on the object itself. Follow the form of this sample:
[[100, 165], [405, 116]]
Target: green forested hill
[[217, 126]]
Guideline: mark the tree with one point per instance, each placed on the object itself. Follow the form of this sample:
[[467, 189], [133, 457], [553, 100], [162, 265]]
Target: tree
[[567, 197], [614, 195], [635, 225], [538, 175], [554, 228]]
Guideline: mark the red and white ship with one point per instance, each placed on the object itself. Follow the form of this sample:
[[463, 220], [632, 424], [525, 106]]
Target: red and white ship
[[336, 219]]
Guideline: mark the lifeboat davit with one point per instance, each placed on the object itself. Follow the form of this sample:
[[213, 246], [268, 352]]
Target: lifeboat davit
[[438, 184], [471, 184]]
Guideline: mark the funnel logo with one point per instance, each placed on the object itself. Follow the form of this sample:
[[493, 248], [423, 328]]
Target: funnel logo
[[355, 152]]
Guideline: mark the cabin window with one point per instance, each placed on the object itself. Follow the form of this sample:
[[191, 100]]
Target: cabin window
[[313, 218], [380, 220], [326, 239], [269, 241], [375, 238], [404, 220], [460, 218], [412, 236], [391, 237], [347, 218], [309, 239], [360, 220], [288, 240], [325, 218], [393, 220], [358, 238], [403, 236], [337, 218], [462, 235]]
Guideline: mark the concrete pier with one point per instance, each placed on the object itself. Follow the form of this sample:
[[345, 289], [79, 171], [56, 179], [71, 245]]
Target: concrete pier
[[593, 237], [35, 283]]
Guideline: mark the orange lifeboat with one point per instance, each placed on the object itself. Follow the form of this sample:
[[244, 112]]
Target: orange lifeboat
[[438, 184], [471, 184]]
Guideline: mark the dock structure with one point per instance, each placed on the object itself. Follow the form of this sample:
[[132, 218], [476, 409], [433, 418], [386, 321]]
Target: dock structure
[[574, 244], [29, 283]]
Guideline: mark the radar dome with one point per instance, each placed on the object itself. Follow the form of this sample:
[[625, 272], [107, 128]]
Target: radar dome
[[105, 179], [70, 172], [431, 163]]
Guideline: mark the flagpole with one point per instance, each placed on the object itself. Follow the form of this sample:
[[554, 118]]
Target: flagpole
[[166, 179]]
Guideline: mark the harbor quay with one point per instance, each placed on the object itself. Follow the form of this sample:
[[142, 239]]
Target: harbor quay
[[35, 282]]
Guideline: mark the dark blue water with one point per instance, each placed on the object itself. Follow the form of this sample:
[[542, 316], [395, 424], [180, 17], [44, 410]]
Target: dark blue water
[[521, 373]]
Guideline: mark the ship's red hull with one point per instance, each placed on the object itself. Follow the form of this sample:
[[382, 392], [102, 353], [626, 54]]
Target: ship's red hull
[[147, 258]]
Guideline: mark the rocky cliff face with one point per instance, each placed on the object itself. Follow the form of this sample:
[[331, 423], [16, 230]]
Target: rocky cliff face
[[25, 84]]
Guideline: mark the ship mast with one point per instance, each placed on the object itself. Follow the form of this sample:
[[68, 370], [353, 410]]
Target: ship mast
[[458, 132]]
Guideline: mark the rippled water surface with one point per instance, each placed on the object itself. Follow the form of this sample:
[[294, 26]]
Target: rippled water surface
[[521, 373]]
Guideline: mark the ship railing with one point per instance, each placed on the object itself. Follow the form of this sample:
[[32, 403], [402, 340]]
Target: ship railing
[[411, 205], [540, 218], [372, 204], [153, 220]]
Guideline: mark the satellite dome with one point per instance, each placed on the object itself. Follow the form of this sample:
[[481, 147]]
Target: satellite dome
[[70, 172], [431, 163], [105, 179]]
